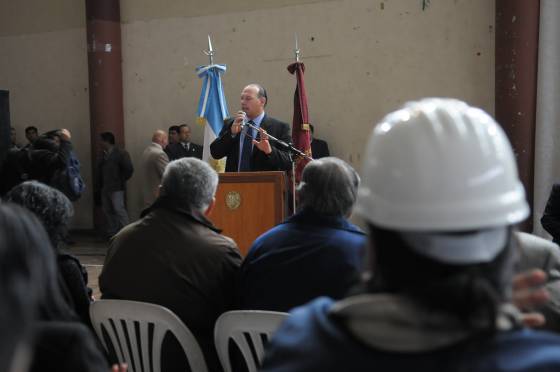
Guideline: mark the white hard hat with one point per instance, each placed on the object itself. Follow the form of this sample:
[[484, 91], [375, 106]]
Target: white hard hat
[[440, 165]]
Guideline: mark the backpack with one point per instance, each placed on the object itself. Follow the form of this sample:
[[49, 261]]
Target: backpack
[[68, 179]]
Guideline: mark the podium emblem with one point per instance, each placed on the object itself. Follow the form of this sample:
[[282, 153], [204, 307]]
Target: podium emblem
[[233, 200]]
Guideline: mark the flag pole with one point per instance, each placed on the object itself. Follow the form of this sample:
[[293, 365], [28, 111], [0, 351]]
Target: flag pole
[[296, 54], [210, 51], [296, 50]]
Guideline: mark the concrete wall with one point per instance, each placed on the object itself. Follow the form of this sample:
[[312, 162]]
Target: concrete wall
[[363, 59]]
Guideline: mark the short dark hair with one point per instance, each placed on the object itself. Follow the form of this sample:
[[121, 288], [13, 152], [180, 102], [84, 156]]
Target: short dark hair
[[31, 128], [183, 126], [312, 128], [173, 128], [108, 137]]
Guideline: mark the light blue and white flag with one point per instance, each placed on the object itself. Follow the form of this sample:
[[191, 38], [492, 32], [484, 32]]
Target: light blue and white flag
[[212, 109]]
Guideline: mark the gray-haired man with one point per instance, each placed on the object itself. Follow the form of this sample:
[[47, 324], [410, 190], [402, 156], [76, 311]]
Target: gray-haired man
[[316, 252], [173, 256]]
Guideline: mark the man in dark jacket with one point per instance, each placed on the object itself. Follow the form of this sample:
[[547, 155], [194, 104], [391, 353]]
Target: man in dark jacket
[[184, 148], [316, 252], [319, 147], [551, 217], [114, 169], [236, 140], [174, 257]]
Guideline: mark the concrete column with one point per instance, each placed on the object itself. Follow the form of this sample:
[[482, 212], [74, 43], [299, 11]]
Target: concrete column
[[517, 40], [103, 29]]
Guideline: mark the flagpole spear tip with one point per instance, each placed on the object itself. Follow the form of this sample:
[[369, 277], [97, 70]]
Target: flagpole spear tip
[[296, 50], [210, 51]]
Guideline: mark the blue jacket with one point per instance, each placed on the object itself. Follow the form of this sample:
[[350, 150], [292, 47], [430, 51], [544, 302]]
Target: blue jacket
[[310, 340], [307, 256]]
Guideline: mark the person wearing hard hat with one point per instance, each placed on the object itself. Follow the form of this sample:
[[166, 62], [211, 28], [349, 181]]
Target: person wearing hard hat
[[441, 196]]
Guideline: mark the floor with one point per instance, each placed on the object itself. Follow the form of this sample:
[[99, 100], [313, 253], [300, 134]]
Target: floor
[[91, 251]]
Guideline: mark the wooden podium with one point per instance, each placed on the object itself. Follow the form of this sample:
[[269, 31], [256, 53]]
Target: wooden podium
[[248, 204]]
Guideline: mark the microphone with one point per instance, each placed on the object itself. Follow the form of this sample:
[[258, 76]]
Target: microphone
[[244, 122]]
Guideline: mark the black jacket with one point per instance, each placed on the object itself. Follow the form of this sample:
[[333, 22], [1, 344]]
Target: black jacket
[[551, 217], [177, 151], [45, 158], [114, 171], [319, 149], [226, 145]]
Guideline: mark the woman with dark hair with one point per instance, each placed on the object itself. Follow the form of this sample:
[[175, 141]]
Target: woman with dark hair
[[54, 210], [39, 331], [441, 197]]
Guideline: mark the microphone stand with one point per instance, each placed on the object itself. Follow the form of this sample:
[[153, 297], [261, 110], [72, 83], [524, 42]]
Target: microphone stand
[[286, 147]]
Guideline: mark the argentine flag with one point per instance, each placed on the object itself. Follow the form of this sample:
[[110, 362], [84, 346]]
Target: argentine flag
[[212, 109]]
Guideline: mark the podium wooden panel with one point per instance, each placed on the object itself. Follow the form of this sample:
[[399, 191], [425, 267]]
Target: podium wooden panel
[[248, 204]]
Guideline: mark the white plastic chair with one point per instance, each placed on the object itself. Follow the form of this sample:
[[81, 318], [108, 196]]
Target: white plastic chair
[[128, 323], [249, 329]]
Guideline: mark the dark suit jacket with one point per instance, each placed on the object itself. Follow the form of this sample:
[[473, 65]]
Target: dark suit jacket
[[177, 151], [226, 145], [319, 149], [551, 217]]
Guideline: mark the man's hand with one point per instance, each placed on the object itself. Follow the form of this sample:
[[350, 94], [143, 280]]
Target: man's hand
[[528, 293], [236, 125], [65, 134], [123, 367], [263, 144]]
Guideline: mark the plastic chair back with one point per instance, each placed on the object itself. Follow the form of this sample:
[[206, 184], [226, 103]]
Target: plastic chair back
[[137, 330], [250, 330]]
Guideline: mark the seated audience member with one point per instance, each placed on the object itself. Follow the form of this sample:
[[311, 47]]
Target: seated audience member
[[48, 153], [154, 161], [551, 217], [174, 257], [441, 255], [38, 327], [184, 148], [543, 255], [316, 252], [319, 147], [54, 211]]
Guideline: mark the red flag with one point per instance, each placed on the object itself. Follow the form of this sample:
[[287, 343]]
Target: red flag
[[300, 125]]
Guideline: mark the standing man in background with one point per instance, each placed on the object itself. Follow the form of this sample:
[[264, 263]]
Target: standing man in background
[[243, 153], [13, 139], [184, 148], [319, 147], [31, 134], [114, 169], [154, 161]]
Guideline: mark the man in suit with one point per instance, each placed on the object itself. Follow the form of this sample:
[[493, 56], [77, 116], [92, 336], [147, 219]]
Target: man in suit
[[319, 148], [184, 148], [154, 161], [245, 153]]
